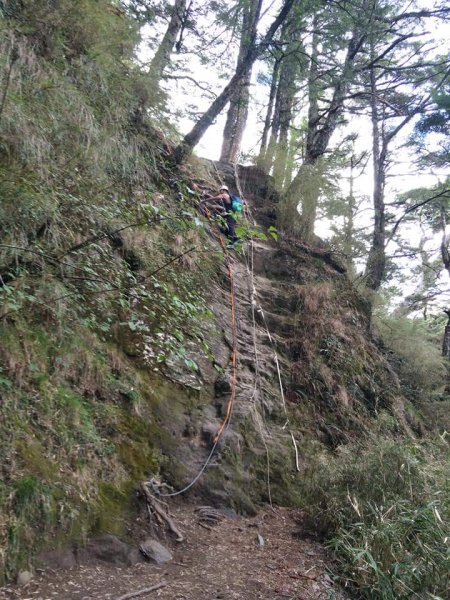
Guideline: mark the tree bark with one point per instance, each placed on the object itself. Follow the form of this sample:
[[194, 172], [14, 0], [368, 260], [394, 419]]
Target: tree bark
[[290, 70], [161, 60], [274, 128], [445, 252], [446, 340], [291, 159], [196, 133], [376, 262], [305, 186], [238, 111]]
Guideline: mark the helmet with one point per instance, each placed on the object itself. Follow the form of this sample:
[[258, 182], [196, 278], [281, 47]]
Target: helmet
[[224, 187]]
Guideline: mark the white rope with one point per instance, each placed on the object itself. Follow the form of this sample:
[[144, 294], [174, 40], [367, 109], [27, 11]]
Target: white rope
[[196, 478], [296, 451], [256, 305]]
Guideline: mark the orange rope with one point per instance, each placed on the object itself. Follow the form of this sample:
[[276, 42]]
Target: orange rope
[[234, 336], [233, 376], [233, 354]]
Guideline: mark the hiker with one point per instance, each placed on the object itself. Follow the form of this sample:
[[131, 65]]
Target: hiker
[[221, 206]]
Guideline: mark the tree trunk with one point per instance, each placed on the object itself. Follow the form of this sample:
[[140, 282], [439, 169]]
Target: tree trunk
[[376, 261], [446, 340], [320, 130], [275, 129], [445, 253], [268, 120], [236, 121], [238, 111], [161, 60], [290, 70], [349, 225], [196, 133], [291, 159], [305, 186], [281, 155]]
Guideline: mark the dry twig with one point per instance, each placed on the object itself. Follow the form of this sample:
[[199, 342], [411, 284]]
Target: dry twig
[[142, 592]]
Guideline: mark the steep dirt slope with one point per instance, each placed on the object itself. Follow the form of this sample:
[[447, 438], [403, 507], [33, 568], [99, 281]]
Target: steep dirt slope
[[308, 375], [308, 371]]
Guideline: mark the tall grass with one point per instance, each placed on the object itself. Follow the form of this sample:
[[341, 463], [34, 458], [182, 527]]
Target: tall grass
[[417, 347], [384, 506], [77, 161]]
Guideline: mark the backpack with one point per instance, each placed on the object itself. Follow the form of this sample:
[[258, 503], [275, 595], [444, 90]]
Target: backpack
[[236, 204]]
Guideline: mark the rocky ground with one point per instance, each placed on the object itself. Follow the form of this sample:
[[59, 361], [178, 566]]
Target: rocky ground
[[227, 558]]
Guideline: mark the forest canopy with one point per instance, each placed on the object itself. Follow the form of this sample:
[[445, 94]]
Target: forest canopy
[[346, 105]]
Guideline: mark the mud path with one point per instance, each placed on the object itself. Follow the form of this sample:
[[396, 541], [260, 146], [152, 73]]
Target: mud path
[[258, 558]]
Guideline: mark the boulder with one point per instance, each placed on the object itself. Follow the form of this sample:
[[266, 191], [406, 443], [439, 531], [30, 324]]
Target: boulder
[[108, 549], [24, 577], [155, 551], [57, 559]]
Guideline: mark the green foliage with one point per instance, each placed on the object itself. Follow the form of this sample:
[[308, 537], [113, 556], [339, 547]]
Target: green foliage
[[25, 490], [431, 133], [384, 506], [105, 277], [431, 204], [5, 383], [273, 232], [247, 232], [67, 423], [173, 314]]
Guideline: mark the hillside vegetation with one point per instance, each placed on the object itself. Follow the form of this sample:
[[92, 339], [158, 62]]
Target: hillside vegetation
[[115, 333], [82, 231]]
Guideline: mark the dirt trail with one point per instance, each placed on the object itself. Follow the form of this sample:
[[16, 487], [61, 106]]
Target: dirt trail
[[258, 558]]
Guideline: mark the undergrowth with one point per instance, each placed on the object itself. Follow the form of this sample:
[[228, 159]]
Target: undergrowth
[[416, 344], [105, 273], [383, 505]]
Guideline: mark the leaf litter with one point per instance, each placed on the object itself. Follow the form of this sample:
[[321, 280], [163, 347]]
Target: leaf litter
[[224, 562]]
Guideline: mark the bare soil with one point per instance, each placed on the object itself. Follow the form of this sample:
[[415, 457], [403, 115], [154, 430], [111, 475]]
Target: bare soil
[[251, 558]]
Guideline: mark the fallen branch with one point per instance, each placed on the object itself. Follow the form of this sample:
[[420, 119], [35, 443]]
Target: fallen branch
[[142, 592], [159, 511], [301, 576]]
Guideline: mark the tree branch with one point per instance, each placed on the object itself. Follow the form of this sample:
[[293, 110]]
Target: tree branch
[[419, 14], [153, 588], [194, 81], [411, 209]]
